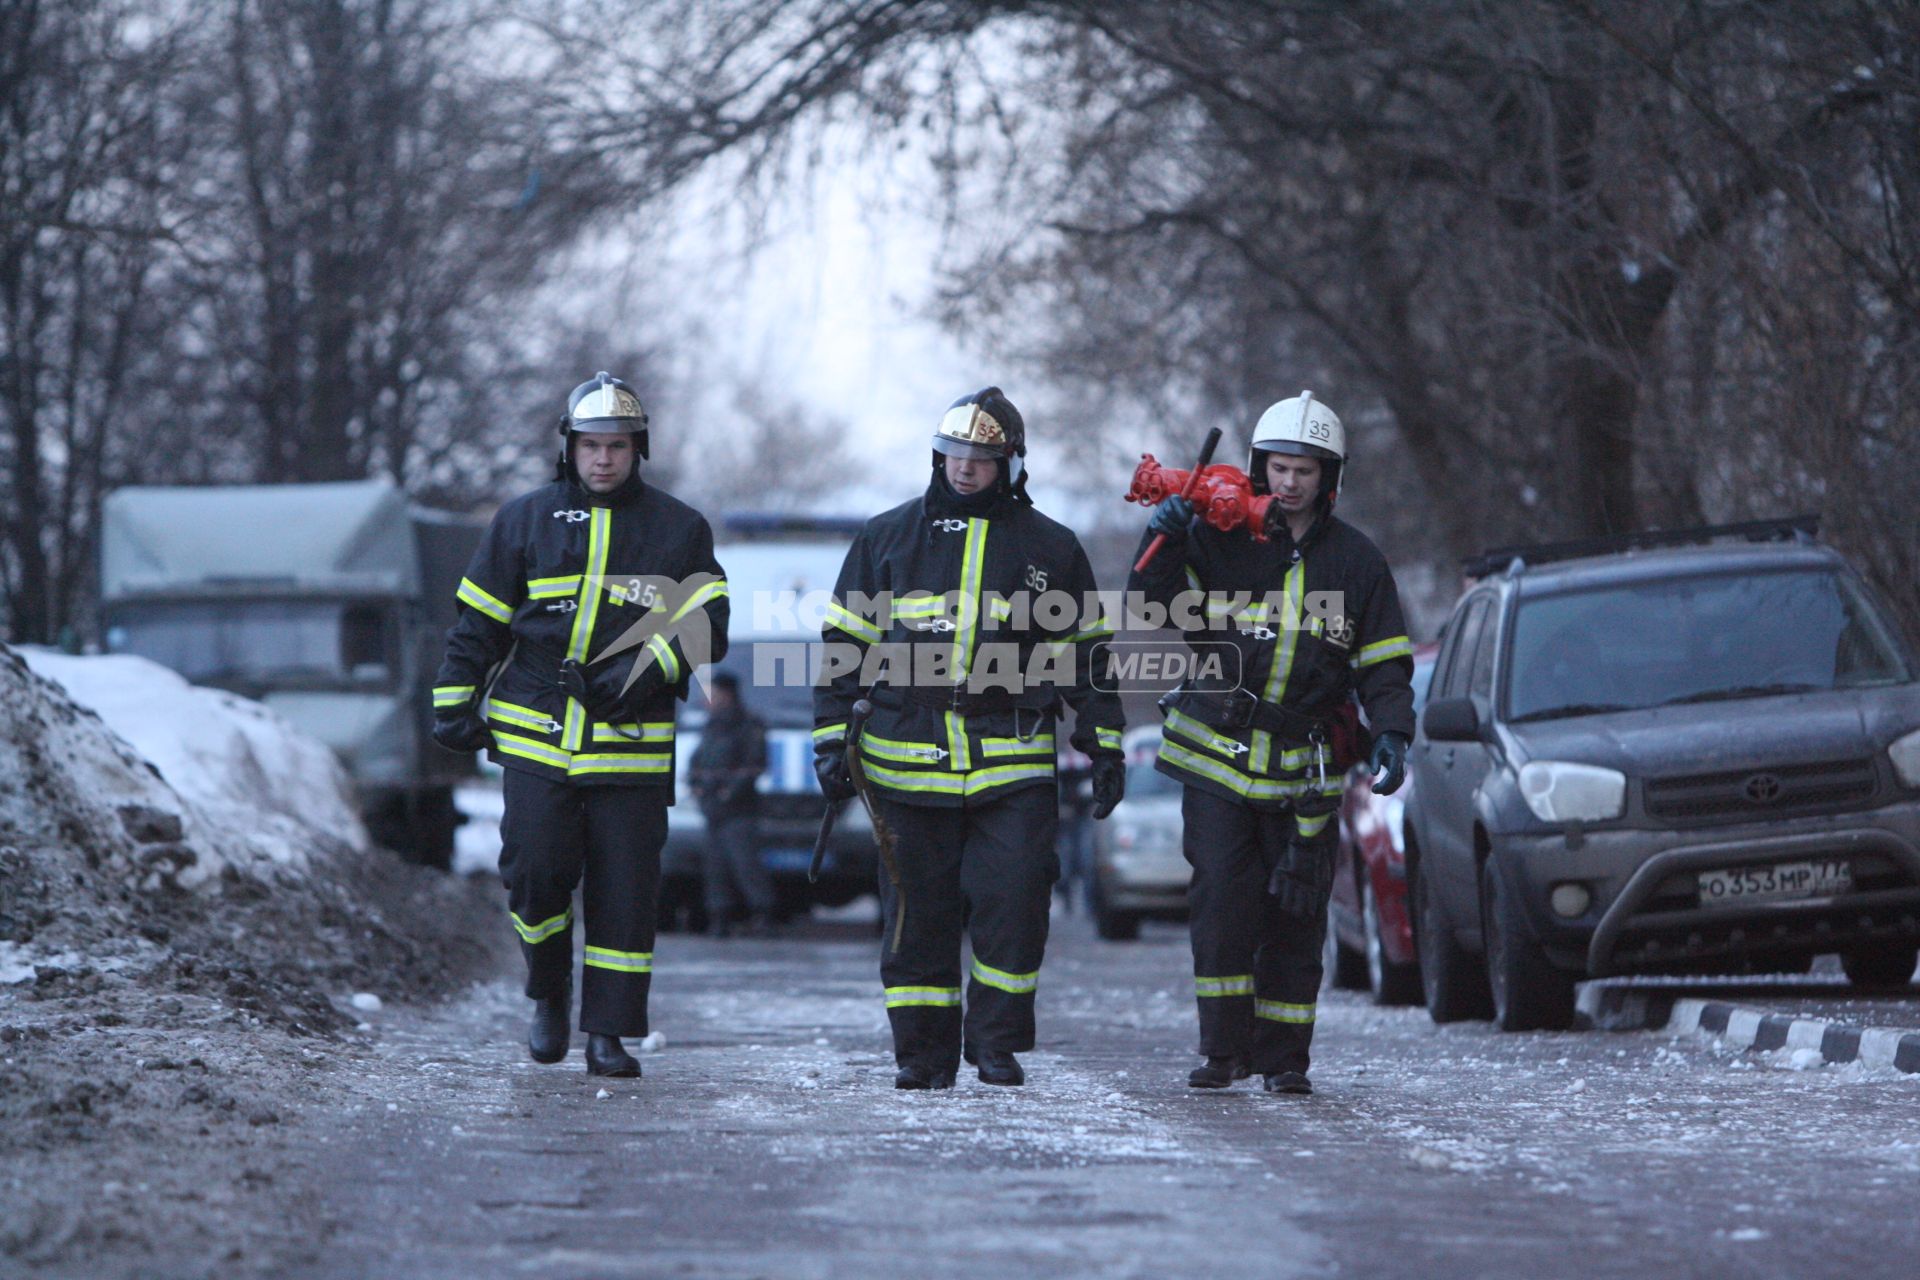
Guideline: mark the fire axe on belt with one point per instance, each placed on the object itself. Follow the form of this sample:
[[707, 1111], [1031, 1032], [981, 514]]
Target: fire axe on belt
[[883, 835]]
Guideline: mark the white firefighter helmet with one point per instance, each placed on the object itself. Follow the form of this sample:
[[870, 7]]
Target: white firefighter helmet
[[1303, 427], [604, 403], [984, 425]]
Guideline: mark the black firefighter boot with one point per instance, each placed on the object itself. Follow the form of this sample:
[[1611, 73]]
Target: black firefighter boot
[[607, 1057], [997, 1066], [1287, 1082], [1220, 1072], [551, 1035], [919, 1077]]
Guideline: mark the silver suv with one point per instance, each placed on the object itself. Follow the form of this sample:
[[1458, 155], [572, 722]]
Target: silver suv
[[1677, 759]]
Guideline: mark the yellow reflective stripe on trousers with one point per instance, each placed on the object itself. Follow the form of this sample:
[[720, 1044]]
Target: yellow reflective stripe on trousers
[[1311, 827], [929, 997], [1040, 744], [1239, 984], [1383, 651], [1019, 984], [1281, 1011], [1107, 738], [452, 695], [838, 615], [471, 595], [619, 961], [534, 934]]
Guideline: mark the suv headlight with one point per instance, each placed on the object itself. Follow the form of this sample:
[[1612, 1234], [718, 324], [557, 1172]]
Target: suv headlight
[[1905, 753], [1559, 792]]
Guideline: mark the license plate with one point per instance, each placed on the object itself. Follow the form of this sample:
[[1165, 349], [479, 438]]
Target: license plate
[[1775, 882]]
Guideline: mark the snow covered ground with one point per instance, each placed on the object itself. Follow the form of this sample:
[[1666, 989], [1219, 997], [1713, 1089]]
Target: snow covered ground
[[251, 788]]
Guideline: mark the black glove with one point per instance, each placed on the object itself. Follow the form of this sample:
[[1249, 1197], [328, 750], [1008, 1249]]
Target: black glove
[[830, 766], [462, 733], [1172, 517], [603, 692], [1109, 784], [1389, 756]]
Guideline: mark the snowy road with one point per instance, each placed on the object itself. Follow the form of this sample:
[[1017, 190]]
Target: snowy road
[[765, 1140]]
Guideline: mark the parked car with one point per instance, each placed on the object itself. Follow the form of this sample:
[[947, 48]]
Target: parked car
[[1139, 870], [779, 569], [1682, 753], [1369, 928]]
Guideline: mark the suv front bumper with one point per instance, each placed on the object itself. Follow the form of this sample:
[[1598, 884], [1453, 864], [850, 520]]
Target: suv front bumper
[[1639, 918]]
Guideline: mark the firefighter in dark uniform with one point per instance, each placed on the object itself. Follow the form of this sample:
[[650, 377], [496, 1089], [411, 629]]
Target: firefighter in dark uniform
[[588, 605], [965, 612], [722, 774], [1316, 617]]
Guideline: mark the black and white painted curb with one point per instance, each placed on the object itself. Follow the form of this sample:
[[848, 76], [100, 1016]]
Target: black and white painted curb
[[1611, 1008]]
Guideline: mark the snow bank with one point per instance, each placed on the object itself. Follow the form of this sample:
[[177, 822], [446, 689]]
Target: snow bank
[[216, 780]]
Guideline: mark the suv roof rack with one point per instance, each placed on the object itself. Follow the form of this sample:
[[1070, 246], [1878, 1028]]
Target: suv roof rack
[[1517, 559]]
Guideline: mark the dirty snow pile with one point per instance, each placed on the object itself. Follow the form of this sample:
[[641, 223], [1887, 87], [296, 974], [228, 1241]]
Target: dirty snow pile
[[243, 786]]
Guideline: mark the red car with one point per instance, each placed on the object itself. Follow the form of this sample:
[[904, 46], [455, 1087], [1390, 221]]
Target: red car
[[1369, 929]]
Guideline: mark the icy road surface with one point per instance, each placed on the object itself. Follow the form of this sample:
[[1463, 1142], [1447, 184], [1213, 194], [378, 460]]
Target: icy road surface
[[766, 1140]]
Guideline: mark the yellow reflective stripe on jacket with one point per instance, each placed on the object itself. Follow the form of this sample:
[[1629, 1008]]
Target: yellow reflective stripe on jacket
[[1101, 627], [632, 731], [534, 934], [1039, 745], [838, 615], [452, 695], [512, 744], [957, 784], [600, 525], [524, 717], [1187, 727], [934, 997], [828, 731], [872, 744], [1193, 578], [662, 650], [1283, 655], [999, 608], [471, 595], [619, 762], [711, 591], [1239, 984], [919, 607], [553, 588], [1383, 651], [1281, 1011], [957, 742], [1019, 984], [1226, 775], [1109, 738], [972, 566]]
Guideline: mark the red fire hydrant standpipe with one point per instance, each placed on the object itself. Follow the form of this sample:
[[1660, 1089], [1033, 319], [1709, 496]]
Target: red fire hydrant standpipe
[[1222, 495]]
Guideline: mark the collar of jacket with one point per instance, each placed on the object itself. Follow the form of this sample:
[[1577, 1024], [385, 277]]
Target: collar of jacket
[[626, 495], [941, 501], [1283, 536]]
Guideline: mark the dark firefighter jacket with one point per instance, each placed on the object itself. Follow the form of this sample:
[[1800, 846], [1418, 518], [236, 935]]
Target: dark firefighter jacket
[[939, 584], [558, 577], [1312, 624], [730, 758]]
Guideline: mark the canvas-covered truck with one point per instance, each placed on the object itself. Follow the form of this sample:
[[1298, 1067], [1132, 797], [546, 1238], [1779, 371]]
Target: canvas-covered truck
[[328, 602]]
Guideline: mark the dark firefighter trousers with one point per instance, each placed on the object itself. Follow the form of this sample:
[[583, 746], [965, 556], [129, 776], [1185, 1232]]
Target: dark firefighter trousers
[[1256, 970], [551, 836], [985, 871]]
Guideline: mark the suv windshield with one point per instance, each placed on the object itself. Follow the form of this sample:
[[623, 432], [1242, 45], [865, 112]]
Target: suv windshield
[[1695, 639]]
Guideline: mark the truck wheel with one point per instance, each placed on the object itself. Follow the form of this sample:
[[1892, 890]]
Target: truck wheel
[[1529, 993], [1390, 983], [1112, 925], [1454, 983], [1882, 966]]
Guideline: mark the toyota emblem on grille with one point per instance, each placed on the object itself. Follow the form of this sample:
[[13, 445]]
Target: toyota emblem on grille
[[1762, 788]]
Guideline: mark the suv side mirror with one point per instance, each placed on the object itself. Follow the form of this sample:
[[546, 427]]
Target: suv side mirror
[[1451, 720]]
